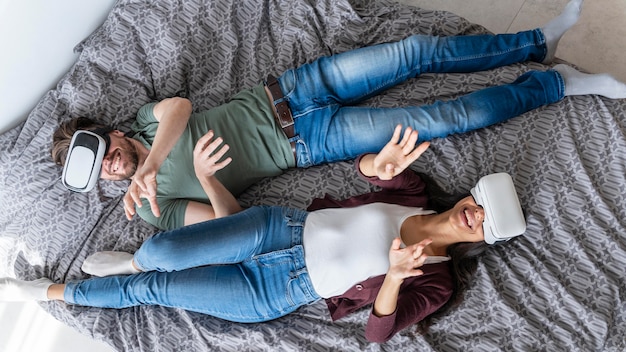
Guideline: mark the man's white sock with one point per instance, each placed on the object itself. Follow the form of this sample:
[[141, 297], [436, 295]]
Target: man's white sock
[[109, 263], [554, 30], [578, 83]]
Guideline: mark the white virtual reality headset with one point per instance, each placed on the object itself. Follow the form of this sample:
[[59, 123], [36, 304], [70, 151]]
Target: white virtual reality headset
[[84, 159], [504, 218]]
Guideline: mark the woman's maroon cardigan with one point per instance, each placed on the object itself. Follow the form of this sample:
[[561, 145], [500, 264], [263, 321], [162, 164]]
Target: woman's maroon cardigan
[[419, 296]]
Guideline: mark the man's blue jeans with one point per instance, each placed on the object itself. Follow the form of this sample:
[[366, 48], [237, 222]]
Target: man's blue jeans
[[322, 94], [248, 267]]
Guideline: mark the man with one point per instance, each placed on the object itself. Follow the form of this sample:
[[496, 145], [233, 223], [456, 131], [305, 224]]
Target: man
[[306, 117]]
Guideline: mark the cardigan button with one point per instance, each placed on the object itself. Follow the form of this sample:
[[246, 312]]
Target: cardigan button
[[359, 287]]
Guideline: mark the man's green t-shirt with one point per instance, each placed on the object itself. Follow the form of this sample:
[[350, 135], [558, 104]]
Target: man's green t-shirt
[[258, 148]]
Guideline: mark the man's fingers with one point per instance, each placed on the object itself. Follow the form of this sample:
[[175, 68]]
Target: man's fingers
[[134, 194], [129, 206], [129, 215], [220, 153], [213, 146], [151, 188], [154, 206], [222, 164], [203, 142], [208, 150]]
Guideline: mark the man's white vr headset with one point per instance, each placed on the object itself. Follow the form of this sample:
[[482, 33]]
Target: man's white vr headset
[[84, 159], [504, 218]]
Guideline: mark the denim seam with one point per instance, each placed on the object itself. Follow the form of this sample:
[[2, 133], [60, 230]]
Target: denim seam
[[138, 264], [72, 288], [288, 296], [484, 56], [537, 32], [414, 72], [561, 85], [315, 108]]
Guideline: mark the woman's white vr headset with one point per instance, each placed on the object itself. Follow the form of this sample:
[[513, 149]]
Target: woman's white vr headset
[[504, 218], [84, 159]]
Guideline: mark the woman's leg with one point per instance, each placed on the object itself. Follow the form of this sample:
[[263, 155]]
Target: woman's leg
[[231, 239], [262, 288], [351, 131]]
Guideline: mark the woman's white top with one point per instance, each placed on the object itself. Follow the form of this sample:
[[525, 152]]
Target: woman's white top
[[344, 246]]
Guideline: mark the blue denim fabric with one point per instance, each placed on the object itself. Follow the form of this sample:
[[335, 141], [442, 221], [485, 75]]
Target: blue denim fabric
[[321, 93], [259, 272]]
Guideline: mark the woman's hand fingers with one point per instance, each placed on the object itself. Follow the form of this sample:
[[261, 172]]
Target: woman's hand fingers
[[405, 262]]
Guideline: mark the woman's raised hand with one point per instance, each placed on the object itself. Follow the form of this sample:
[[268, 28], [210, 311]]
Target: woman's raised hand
[[398, 153], [405, 262]]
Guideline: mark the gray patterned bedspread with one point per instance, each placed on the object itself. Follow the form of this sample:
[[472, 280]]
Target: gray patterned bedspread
[[561, 287]]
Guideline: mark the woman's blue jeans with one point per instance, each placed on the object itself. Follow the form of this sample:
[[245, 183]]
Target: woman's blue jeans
[[248, 267], [322, 94]]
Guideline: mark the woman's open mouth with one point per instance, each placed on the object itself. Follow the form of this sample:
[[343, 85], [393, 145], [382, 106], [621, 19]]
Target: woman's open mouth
[[468, 218]]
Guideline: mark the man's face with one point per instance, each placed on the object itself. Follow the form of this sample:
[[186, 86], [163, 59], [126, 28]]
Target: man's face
[[122, 159]]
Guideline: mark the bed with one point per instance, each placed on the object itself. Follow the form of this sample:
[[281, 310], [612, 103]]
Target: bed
[[559, 287]]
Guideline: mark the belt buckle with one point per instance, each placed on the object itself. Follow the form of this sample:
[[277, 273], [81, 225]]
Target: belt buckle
[[283, 113]]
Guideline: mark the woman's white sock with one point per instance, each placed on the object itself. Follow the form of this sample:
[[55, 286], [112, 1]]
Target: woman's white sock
[[109, 263], [554, 30], [578, 83], [14, 290]]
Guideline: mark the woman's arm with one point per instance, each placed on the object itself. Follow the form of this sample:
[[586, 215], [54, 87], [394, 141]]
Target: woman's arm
[[403, 263], [418, 298], [398, 306]]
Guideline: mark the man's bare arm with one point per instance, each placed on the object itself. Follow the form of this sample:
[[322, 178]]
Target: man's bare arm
[[207, 160], [173, 115]]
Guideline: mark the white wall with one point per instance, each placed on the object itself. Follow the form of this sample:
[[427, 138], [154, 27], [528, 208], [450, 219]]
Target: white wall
[[37, 38]]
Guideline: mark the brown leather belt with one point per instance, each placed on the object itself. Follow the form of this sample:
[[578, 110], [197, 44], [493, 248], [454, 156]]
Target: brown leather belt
[[281, 109]]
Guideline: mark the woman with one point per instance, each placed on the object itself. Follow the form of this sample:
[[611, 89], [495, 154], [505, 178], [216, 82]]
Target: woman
[[271, 260]]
